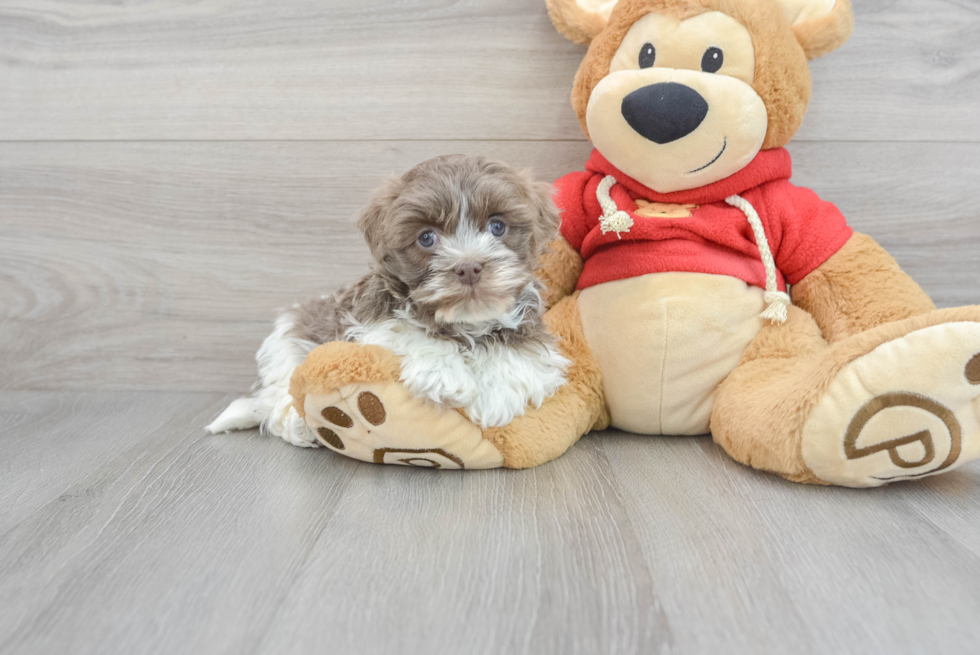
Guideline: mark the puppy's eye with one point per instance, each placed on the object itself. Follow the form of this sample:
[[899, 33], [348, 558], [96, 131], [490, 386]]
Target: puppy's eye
[[428, 239], [712, 60], [648, 55], [497, 228]]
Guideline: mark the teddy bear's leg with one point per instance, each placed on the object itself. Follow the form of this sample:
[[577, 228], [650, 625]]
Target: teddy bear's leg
[[756, 415], [545, 433], [896, 402], [903, 401], [352, 397], [869, 384]]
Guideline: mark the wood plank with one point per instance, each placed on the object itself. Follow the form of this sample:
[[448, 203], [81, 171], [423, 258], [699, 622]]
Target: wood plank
[[53, 441], [537, 561], [416, 69], [173, 541], [758, 565], [181, 539], [160, 266], [240, 543]]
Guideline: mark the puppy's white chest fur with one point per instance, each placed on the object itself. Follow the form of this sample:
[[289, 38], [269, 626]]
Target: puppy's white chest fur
[[491, 382]]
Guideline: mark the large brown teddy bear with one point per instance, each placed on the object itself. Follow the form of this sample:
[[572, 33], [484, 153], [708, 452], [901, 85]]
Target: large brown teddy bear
[[669, 285]]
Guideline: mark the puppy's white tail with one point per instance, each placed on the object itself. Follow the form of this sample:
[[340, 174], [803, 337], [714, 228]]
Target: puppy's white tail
[[271, 407], [241, 414]]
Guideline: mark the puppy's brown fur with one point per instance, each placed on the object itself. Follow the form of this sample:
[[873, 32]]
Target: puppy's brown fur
[[457, 197]]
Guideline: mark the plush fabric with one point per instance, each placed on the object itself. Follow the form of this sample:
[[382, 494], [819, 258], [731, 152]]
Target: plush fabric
[[382, 423], [835, 294], [664, 121], [664, 342], [826, 33], [334, 365], [803, 230], [576, 24], [762, 408], [559, 271], [782, 78], [351, 397], [925, 426]]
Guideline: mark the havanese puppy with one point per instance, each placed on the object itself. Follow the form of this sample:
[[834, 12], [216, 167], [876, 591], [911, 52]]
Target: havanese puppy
[[452, 290]]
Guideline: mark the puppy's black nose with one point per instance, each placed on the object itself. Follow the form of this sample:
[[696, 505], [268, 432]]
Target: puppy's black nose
[[664, 112], [469, 272]]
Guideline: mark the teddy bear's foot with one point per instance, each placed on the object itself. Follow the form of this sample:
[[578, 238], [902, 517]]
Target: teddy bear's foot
[[384, 424], [351, 397], [907, 409]]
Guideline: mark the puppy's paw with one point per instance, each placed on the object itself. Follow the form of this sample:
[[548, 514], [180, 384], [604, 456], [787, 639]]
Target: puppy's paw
[[382, 422]]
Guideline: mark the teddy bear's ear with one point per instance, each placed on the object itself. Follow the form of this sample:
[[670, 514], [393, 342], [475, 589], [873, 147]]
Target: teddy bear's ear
[[580, 21], [819, 25]]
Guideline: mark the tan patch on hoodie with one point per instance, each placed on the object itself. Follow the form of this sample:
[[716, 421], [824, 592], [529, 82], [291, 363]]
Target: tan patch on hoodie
[[648, 209]]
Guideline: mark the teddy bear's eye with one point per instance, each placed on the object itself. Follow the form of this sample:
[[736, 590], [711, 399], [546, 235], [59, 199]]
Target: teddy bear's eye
[[712, 60], [648, 54]]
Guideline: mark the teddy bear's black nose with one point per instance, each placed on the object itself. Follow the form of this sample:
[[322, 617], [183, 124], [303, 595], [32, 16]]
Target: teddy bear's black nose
[[664, 112]]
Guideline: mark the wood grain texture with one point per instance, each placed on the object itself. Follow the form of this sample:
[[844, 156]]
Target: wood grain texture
[[51, 442], [175, 542], [415, 69], [179, 539], [161, 266], [184, 543], [775, 567]]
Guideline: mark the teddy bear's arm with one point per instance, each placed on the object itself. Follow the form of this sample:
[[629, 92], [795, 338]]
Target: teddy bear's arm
[[858, 288], [559, 270]]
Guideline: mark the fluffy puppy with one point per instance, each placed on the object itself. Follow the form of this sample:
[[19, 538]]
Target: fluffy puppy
[[452, 291]]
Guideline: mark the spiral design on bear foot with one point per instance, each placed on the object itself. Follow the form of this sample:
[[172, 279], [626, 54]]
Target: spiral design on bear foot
[[925, 437]]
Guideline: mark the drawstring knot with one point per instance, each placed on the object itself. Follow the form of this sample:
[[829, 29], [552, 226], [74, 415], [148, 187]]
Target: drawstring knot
[[776, 311], [613, 219]]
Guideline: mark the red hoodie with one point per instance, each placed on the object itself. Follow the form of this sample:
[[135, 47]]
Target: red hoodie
[[803, 230]]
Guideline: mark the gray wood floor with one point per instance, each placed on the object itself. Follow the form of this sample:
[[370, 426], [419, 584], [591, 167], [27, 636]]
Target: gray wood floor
[[172, 172]]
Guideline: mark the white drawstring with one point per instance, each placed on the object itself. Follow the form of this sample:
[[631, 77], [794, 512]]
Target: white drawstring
[[777, 300], [612, 219]]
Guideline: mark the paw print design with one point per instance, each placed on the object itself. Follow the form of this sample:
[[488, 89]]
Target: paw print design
[[371, 408], [382, 423]]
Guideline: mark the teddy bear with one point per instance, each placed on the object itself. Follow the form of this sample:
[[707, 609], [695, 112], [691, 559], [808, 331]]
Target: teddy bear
[[694, 288]]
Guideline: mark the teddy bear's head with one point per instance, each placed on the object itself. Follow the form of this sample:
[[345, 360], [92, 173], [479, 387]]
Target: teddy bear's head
[[679, 94]]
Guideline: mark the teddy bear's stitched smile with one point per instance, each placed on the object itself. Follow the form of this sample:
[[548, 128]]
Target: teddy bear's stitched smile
[[724, 147]]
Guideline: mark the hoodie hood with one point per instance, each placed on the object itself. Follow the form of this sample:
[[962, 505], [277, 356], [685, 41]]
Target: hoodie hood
[[768, 166]]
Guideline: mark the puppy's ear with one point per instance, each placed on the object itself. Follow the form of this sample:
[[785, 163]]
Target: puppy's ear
[[548, 217], [372, 217]]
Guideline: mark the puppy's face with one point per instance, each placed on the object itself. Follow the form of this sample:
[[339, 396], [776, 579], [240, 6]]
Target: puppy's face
[[460, 236]]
